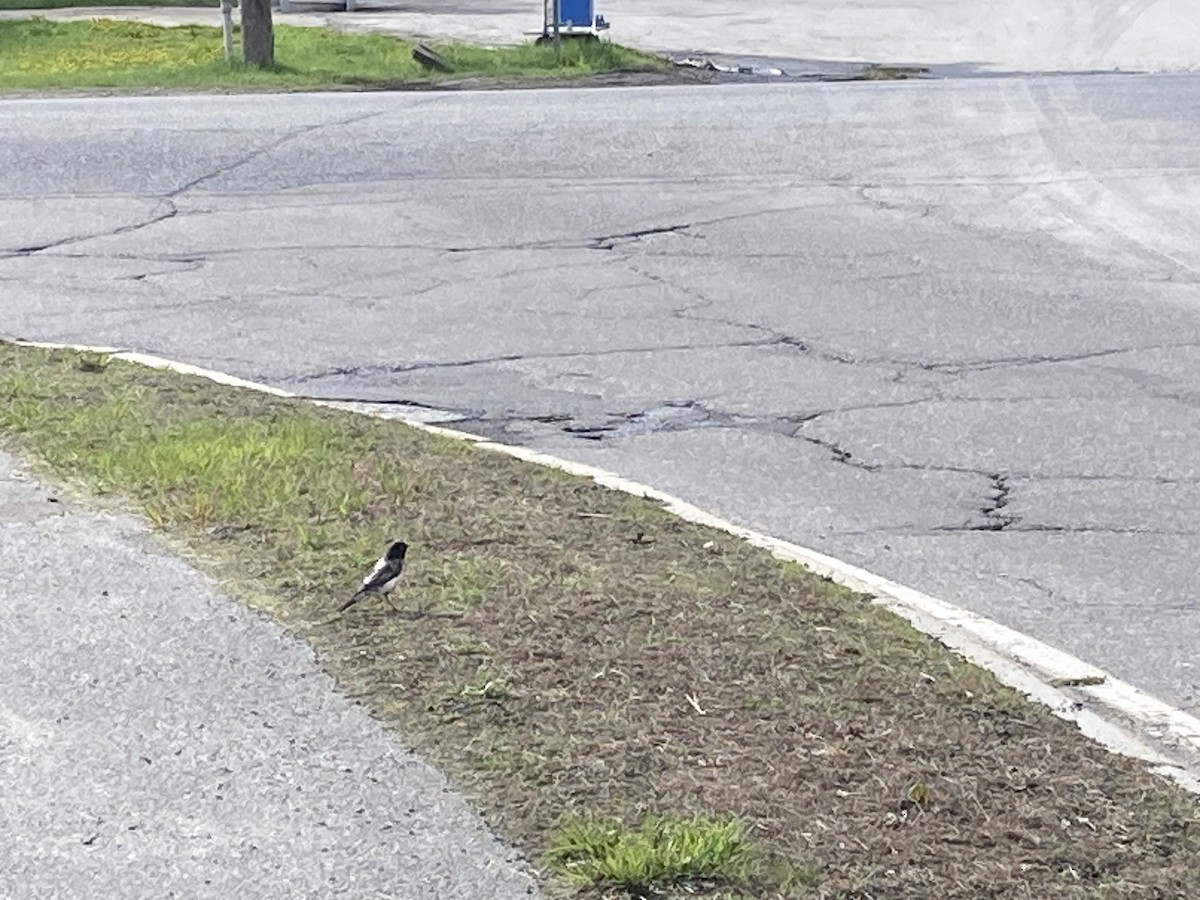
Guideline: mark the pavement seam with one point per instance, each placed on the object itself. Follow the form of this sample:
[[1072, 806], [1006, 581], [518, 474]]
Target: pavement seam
[[1114, 713]]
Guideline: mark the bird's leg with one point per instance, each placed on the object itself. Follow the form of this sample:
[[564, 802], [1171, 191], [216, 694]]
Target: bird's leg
[[387, 598]]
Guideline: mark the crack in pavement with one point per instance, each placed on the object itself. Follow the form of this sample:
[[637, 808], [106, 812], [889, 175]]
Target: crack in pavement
[[589, 243], [206, 253], [402, 368], [947, 367], [609, 241], [995, 519], [165, 201], [599, 242], [665, 416], [164, 209], [616, 240], [184, 268], [267, 148], [1047, 528], [686, 415], [837, 452], [983, 365], [675, 415], [615, 425], [686, 312]]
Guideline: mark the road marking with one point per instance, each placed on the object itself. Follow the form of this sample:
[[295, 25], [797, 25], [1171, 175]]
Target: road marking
[[1112, 712]]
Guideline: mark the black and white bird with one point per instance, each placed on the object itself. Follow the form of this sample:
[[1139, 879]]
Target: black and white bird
[[383, 576]]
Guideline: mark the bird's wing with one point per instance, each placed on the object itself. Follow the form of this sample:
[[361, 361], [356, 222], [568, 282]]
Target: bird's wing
[[380, 564], [384, 571]]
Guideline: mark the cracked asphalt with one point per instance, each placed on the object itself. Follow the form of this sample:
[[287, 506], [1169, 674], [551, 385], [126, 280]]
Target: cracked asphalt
[[946, 330]]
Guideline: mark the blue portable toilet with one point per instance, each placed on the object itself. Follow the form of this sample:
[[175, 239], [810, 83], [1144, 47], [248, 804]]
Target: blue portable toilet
[[575, 18], [576, 12]]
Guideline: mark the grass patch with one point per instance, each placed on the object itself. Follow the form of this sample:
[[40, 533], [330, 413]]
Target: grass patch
[[465, 582], [607, 663], [661, 853], [38, 54]]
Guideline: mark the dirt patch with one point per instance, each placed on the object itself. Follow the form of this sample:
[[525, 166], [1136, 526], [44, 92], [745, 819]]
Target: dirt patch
[[567, 649]]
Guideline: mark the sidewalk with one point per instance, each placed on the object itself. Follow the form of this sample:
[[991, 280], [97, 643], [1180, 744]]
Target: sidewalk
[[158, 739]]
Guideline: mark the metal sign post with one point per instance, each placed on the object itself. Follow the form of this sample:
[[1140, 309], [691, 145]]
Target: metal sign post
[[557, 35], [227, 27]]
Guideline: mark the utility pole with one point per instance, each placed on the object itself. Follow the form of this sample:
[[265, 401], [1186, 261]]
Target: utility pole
[[258, 38]]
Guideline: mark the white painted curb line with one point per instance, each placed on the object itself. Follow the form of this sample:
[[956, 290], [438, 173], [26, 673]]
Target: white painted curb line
[[1125, 719]]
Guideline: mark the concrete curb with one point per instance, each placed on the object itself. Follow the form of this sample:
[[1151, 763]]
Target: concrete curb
[[1112, 712]]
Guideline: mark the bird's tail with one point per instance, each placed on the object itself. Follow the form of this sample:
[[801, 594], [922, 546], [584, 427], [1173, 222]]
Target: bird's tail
[[349, 603]]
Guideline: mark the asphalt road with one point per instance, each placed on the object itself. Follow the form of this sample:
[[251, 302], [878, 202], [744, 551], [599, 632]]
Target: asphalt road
[[158, 739], [949, 330]]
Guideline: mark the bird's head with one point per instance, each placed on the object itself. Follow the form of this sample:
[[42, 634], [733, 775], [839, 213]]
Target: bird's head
[[397, 550]]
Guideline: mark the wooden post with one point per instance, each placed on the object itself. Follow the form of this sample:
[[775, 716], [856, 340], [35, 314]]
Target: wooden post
[[258, 38]]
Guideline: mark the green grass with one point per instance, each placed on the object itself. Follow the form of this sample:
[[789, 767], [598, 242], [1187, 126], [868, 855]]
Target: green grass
[[40, 54], [205, 472], [465, 583], [662, 852]]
